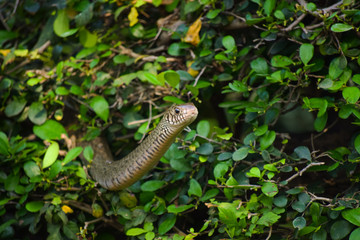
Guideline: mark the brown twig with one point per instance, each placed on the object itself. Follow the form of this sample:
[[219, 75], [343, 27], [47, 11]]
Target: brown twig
[[241, 186], [269, 235], [303, 170], [294, 23], [145, 120], [148, 122]]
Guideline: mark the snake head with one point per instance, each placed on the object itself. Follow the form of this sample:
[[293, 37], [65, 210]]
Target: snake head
[[179, 116]]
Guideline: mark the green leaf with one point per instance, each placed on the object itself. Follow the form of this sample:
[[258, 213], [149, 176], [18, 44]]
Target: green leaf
[[355, 235], [240, 154], [61, 23], [172, 78], [62, 91], [51, 155], [220, 169], [37, 113], [203, 128], [268, 219], [85, 16], [279, 15], [178, 209], [294, 191], [270, 189], [205, 149], [195, 188], [227, 213], [315, 212], [341, 27], [224, 156], [34, 206], [254, 172], [151, 78], [259, 131], [14, 107], [299, 222], [280, 201], [211, 193], [340, 229], [337, 66], [100, 107], [87, 39], [88, 153], [5, 225], [180, 164], [357, 143], [303, 152], [135, 231], [281, 61], [55, 169], [356, 78], [31, 169], [298, 206], [351, 94], [4, 144], [320, 122], [259, 65], [345, 111], [320, 235], [269, 6], [124, 79], [213, 13], [152, 185], [326, 83], [191, 7], [267, 140], [306, 52], [11, 182], [352, 215], [72, 154], [173, 99], [229, 43], [50, 130], [69, 32], [167, 224]]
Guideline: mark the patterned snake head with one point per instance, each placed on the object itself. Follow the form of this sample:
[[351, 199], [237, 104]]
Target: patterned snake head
[[177, 117]]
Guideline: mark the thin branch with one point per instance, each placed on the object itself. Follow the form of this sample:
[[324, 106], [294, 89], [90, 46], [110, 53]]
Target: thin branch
[[15, 7], [146, 58], [304, 170], [242, 186], [145, 120], [148, 122], [294, 23], [4, 23], [269, 235], [199, 75]]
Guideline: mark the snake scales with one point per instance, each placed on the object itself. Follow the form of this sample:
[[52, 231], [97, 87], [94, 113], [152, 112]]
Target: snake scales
[[117, 175]]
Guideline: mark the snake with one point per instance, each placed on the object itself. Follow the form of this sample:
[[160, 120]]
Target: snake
[[120, 174]]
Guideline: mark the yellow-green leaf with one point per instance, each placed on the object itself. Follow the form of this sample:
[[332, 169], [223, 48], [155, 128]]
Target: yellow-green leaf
[[61, 23], [133, 16], [51, 155]]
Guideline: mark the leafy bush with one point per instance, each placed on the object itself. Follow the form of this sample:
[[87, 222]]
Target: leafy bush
[[274, 151]]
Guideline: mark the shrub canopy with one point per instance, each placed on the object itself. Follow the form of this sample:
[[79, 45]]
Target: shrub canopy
[[272, 155]]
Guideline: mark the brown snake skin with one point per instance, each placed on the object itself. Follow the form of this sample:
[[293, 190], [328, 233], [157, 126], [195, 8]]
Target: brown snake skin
[[117, 175]]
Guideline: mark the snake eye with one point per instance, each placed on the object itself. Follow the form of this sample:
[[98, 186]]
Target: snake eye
[[177, 111]]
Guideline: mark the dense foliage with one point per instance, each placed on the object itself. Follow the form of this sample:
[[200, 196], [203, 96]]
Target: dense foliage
[[272, 155]]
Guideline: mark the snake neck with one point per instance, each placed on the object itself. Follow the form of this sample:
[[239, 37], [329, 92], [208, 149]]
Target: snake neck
[[119, 174]]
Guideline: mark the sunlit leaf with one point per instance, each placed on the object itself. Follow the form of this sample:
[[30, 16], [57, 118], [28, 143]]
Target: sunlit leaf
[[51, 155], [192, 35]]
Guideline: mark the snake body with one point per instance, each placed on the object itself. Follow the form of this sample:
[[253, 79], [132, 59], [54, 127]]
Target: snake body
[[117, 175]]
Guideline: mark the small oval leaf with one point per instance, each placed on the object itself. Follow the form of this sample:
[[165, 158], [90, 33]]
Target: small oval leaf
[[51, 155]]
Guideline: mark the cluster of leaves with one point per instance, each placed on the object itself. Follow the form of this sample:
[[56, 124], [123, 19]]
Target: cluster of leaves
[[272, 155]]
